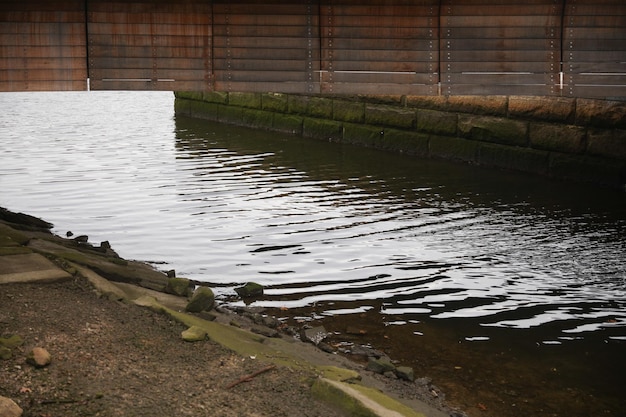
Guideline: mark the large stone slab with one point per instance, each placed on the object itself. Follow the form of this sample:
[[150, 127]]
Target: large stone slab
[[29, 267]]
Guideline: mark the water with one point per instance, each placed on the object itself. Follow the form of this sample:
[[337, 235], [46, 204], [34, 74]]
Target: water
[[331, 231]]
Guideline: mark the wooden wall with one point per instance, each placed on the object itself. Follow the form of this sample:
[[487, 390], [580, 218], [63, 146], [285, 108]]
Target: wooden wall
[[42, 45], [573, 48], [149, 45]]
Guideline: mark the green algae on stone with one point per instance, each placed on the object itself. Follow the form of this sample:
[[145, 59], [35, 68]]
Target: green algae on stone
[[11, 341], [194, 334], [251, 289], [178, 286], [202, 299]]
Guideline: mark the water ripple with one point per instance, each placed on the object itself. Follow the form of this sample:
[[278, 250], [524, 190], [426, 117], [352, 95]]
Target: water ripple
[[317, 223]]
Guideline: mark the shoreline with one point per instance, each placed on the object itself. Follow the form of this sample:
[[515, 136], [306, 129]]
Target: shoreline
[[74, 261]]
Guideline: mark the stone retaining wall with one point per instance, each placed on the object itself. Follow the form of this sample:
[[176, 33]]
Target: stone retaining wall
[[565, 138]]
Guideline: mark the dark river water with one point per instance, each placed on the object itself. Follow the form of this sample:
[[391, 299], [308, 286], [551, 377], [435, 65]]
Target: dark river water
[[509, 290]]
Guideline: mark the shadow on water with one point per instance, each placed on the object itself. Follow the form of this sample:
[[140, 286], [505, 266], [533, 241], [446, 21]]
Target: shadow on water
[[507, 289]]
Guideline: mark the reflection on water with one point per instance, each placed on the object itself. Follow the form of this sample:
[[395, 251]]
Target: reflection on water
[[327, 228]]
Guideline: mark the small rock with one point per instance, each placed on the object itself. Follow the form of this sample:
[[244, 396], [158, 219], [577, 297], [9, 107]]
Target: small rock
[[39, 357], [380, 366], [171, 273], [251, 289], [202, 299], [11, 342], [325, 347], [314, 335], [179, 286], [81, 239], [5, 353], [194, 334], [8, 408], [406, 373], [265, 331]]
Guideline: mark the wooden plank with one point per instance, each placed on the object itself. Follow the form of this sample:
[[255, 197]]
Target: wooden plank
[[174, 41], [28, 51], [175, 74], [376, 56], [500, 56], [53, 85], [265, 76], [44, 16], [600, 92], [171, 18], [49, 75], [41, 39], [48, 64], [340, 32], [263, 87], [221, 30], [149, 85], [383, 67], [501, 66], [41, 30], [378, 88], [259, 65], [384, 10], [296, 54], [593, 33], [495, 78], [251, 19], [519, 32], [500, 21], [151, 6], [144, 29], [500, 90], [260, 42], [364, 77], [149, 63], [515, 44], [486, 9], [150, 52]]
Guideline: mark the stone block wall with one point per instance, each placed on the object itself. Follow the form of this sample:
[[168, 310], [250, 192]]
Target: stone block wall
[[566, 138]]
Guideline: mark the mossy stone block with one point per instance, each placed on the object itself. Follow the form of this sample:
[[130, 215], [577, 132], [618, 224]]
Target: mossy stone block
[[551, 109], [364, 135], [434, 121], [390, 116], [230, 114], [494, 129], [322, 129], [287, 123], [199, 109], [250, 100], [485, 105], [274, 102], [217, 97], [556, 137], [349, 111], [453, 148], [409, 142], [178, 286], [514, 158], [257, 118], [610, 143], [298, 104], [320, 107]]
